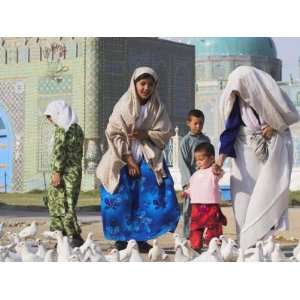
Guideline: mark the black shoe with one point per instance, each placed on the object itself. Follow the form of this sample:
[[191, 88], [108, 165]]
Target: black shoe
[[120, 245], [76, 241], [144, 247]]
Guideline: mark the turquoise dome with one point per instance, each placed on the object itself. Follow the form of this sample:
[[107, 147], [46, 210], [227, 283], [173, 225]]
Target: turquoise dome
[[232, 46]]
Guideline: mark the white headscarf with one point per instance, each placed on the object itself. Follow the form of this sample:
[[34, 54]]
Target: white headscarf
[[259, 90], [61, 114]]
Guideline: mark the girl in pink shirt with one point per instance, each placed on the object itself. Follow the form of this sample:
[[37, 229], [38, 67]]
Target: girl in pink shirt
[[206, 216]]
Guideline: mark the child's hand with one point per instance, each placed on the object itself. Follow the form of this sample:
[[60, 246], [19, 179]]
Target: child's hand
[[221, 173]]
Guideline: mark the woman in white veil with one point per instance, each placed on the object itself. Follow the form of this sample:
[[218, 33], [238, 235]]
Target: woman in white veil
[[256, 116]]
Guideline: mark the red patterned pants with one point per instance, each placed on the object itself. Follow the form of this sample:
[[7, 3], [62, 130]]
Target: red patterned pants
[[206, 222]]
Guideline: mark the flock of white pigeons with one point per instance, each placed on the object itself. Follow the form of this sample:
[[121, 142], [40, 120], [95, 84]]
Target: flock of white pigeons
[[23, 247]]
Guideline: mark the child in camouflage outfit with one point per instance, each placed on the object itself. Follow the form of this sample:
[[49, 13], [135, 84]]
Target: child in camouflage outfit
[[66, 171]]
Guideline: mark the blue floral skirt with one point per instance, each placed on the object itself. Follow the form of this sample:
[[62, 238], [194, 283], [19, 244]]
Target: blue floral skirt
[[139, 209]]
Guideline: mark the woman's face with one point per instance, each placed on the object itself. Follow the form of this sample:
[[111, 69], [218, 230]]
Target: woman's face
[[144, 88]]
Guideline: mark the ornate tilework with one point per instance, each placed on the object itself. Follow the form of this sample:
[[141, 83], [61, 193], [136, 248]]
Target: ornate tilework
[[50, 86]]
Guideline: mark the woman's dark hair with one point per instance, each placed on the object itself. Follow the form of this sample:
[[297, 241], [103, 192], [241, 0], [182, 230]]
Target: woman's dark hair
[[208, 148], [196, 113], [144, 76]]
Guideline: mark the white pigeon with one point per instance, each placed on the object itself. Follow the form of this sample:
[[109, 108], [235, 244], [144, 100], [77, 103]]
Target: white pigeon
[[88, 242], [14, 238], [1, 230], [224, 241], [179, 256], [257, 255], [14, 256], [188, 250], [96, 249], [94, 255], [9, 259], [277, 255], [3, 254], [74, 258], [26, 254], [77, 252], [29, 244], [4, 257], [8, 247], [49, 234], [41, 251], [114, 256], [229, 252], [156, 253], [213, 253], [241, 256], [97, 253], [87, 255], [297, 257], [50, 256], [64, 250], [268, 247], [177, 240], [124, 254], [135, 255], [296, 249], [29, 231], [7, 256]]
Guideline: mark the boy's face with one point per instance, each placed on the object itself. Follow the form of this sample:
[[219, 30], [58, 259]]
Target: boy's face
[[195, 124], [203, 160]]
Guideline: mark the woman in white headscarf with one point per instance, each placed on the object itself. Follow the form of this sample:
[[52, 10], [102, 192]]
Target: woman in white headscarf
[[257, 114], [66, 170], [138, 200]]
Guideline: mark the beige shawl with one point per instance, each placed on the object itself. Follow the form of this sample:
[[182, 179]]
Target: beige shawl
[[122, 121]]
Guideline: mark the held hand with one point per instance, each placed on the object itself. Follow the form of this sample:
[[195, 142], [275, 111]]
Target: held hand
[[138, 134], [56, 179], [217, 169], [267, 132], [183, 194]]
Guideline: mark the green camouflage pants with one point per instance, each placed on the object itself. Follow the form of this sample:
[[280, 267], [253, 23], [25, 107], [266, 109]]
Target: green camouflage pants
[[61, 204]]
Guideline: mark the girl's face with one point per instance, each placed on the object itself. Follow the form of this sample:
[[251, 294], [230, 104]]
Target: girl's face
[[50, 119], [203, 160], [144, 88]]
